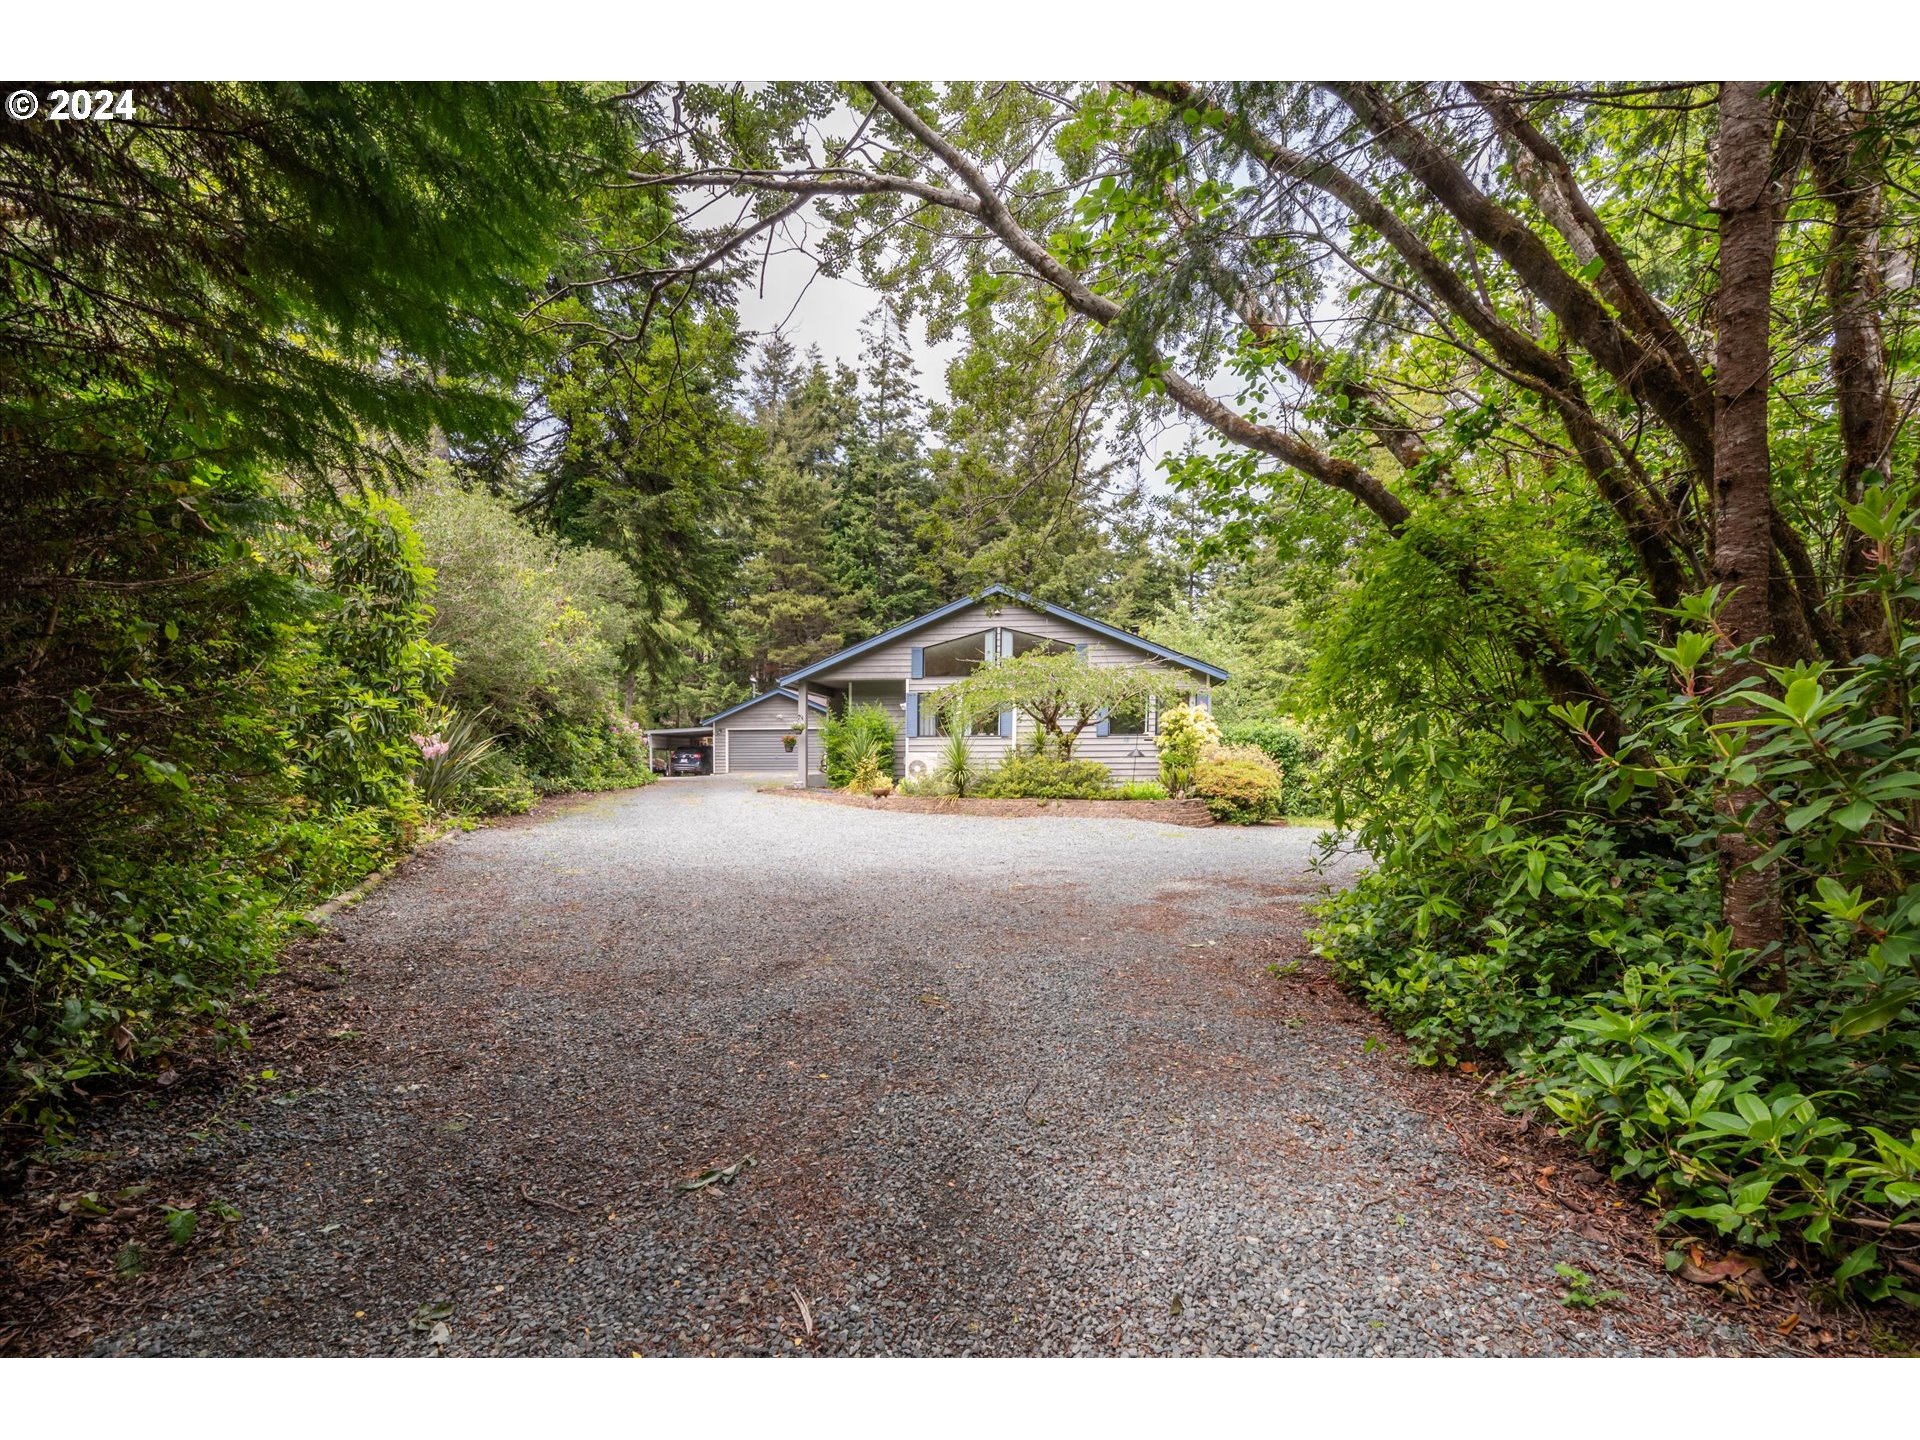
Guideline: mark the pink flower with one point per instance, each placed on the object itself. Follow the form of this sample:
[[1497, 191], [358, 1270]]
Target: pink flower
[[432, 747]]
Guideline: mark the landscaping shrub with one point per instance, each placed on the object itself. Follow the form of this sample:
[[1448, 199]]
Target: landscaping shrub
[[867, 775], [1045, 777], [1185, 733], [450, 745], [536, 630], [497, 785], [1296, 756], [1240, 784], [958, 771], [606, 754], [864, 729], [1136, 790]]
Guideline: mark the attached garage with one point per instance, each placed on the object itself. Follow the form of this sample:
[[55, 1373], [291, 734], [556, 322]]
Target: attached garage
[[757, 750], [750, 739]]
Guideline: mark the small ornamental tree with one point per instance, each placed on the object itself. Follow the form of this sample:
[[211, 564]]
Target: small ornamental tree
[[1187, 732], [1060, 693]]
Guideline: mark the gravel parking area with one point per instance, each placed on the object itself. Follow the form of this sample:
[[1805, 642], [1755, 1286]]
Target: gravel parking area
[[1008, 1086]]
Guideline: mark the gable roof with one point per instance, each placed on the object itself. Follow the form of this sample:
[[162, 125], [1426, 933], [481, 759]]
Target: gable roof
[[906, 628], [812, 703]]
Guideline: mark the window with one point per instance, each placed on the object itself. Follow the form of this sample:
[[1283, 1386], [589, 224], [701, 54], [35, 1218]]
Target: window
[[987, 724], [1022, 642], [1128, 719], [955, 659]]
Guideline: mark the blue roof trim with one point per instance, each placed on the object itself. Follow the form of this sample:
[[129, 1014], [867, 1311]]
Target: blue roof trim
[[1099, 627], [812, 703]]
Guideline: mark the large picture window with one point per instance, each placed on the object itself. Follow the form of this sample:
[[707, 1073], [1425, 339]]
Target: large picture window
[[1022, 642], [955, 659]]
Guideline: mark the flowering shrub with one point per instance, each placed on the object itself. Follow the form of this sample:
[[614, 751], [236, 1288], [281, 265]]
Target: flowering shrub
[[1185, 733], [448, 754]]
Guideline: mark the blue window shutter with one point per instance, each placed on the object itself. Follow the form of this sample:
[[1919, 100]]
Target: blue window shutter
[[919, 663], [1006, 723], [1204, 699], [1081, 650], [1104, 726], [913, 705]]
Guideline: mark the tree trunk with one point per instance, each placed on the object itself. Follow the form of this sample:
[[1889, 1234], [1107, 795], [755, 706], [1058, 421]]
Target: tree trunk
[[1858, 360], [1742, 487]]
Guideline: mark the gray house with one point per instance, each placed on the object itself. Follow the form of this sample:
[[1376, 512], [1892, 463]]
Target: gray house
[[902, 668]]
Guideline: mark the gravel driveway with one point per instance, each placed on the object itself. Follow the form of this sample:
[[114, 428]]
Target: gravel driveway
[[1009, 1086]]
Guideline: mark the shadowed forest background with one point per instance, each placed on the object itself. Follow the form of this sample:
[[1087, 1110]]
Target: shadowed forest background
[[376, 457]]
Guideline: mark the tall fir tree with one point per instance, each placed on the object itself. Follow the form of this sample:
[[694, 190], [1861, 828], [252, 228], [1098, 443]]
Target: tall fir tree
[[790, 610], [884, 488]]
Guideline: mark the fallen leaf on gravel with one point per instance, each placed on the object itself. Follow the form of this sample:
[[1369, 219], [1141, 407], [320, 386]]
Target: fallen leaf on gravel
[[440, 1334], [717, 1176], [1701, 1271], [1785, 1327], [431, 1316], [1497, 1242]]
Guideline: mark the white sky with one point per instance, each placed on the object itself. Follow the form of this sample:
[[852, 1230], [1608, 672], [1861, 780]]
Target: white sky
[[789, 294]]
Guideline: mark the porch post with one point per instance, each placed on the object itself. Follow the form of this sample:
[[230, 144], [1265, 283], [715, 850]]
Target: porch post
[[800, 748]]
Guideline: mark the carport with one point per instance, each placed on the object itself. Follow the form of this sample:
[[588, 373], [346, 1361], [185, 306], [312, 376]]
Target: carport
[[662, 743]]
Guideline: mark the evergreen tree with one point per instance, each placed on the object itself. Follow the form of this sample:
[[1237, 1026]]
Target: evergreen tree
[[1023, 474], [790, 612], [884, 488]]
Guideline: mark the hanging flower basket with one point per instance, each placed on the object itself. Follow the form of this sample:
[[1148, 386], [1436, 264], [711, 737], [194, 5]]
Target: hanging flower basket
[[788, 741]]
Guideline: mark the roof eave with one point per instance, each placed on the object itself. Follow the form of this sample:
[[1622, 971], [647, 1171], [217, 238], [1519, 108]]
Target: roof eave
[[1099, 627]]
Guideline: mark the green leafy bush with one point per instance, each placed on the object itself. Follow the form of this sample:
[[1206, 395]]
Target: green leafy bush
[[1136, 790], [1045, 777], [1291, 751], [536, 628], [1568, 918], [296, 787], [1240, 784], [845, 738], [608, 753], [1186, 732], [498, 785]]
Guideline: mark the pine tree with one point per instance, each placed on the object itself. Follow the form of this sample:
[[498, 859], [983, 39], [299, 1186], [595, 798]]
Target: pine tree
[[791, 612], [884, 488]]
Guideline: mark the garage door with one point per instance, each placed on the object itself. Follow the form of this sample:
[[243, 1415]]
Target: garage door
[[750, 750]]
